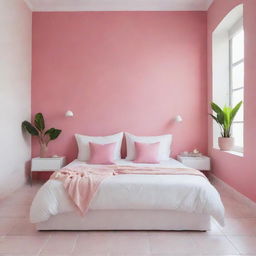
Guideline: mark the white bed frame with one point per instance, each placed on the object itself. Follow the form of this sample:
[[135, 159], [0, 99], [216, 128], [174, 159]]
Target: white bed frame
[[127, 220]]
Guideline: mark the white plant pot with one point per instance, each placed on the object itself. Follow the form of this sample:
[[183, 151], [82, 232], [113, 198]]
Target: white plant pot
[[226, 144]]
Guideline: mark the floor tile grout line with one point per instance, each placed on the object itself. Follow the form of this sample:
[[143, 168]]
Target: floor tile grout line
[[41, 249], [149, 244], [232, 244], [75, 243]]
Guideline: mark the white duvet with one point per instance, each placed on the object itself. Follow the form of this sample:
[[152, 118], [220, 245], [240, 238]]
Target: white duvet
[[192, 194]]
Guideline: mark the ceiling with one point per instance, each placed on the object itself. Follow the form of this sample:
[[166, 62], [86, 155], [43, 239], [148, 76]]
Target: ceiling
[[118, 5]]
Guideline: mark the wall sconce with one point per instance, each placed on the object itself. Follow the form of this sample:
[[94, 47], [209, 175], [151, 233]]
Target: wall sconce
[[69, 113], [178, 119]]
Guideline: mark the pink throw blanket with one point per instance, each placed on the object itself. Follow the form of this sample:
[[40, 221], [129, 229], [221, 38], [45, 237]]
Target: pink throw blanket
[[82, 182]]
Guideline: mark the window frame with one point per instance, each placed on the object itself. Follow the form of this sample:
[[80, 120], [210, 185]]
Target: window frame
[[232, 33]]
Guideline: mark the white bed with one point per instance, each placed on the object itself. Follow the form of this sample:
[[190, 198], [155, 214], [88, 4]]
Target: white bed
[[132, 202]]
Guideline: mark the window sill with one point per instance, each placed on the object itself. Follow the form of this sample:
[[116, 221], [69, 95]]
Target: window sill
[[236, 153]]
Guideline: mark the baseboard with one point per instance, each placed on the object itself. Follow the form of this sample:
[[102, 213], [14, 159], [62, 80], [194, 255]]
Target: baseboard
[[232, 192]]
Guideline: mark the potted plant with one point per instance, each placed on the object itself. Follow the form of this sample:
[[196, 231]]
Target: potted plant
[[224, 117], [38, 129]]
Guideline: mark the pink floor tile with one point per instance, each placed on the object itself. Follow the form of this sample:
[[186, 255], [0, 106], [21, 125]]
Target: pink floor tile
[[93, 243], [23, 226], [60, 244], [28, 245], [240, 226], [235, 209], [178, 254], [19, 254], [133, 254], [19, 199], [215, 245], [130, 244], [54, 254], [6, 224], [172, 243], [130, 232], [14, 210], [244, 244], [91, 254]]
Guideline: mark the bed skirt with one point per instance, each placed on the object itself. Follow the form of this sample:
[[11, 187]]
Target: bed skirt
[[127, 220]]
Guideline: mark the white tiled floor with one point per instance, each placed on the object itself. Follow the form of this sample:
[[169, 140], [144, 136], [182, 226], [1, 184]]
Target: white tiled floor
[[19, 237]]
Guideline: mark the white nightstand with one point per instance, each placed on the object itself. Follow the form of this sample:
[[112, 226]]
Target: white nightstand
[[202, 163], [46, 164]]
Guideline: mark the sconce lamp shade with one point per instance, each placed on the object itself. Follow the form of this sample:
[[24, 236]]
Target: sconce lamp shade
[[178, 119], [69, 113]]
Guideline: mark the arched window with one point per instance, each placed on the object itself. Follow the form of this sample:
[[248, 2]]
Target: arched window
[[228, 70]]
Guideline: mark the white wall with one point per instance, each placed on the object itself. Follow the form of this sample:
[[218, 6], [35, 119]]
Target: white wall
[[15, 92], [220, 75]]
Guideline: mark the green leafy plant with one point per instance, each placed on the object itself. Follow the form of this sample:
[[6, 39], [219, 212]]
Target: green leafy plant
[[38, 129], [224, 117]]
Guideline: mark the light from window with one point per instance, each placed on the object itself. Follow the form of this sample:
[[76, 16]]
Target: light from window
[[238, 46], [237, 85]]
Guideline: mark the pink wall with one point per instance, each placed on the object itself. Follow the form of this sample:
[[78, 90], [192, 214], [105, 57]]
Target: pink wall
[[239, 172], [121, 71]]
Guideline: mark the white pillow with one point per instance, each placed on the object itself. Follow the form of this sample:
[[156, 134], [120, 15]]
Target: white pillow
[[164, 148], [83, 144]]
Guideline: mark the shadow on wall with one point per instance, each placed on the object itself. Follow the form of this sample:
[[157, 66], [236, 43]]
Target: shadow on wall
[[27, 170]]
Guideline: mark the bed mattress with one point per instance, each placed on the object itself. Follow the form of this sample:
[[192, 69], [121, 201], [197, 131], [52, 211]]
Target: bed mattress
[[138, 193]]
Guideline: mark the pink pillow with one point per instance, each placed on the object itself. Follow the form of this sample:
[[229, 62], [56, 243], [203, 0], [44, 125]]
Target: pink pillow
[[146, 152], [101, 153]]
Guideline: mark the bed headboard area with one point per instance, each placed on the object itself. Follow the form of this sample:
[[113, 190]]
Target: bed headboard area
[[121, 71]]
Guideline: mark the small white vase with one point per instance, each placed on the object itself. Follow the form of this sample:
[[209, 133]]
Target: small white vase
[[226, 144]]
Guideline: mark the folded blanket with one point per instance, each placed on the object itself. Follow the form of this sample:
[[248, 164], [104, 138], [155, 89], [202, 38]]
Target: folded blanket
[[82, 183]]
